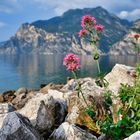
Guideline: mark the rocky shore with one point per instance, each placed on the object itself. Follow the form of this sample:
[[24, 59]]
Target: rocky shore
[[55, 112]]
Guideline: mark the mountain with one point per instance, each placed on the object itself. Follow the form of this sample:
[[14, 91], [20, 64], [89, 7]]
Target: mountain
[[30, 39], [59, 34], [127, 44], [2, 43]]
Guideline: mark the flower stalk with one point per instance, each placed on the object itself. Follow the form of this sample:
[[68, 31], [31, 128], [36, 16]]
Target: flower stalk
[[91, 32]]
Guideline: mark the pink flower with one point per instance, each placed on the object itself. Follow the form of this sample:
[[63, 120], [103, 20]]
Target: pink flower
[[72, 62], [99, 27], [88, 21], [83, 33], [136, 36]]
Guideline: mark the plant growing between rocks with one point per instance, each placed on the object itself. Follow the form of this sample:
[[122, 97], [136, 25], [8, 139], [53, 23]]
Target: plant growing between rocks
[[119, 121], [128, 115]]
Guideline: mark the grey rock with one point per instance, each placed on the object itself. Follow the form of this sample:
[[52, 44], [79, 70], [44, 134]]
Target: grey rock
[[71, 132], [17, 127], [120, 74], [45, 112], [21, 90], [135, 136], [6, 107]]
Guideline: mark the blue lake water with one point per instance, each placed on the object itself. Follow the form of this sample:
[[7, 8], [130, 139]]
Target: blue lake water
[[33, 70]]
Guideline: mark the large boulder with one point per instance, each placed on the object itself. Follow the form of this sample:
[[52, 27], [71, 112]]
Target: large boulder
[[120, 74], [17, 127], [71, 132], [45, 112], [135, 136], [77, 106]]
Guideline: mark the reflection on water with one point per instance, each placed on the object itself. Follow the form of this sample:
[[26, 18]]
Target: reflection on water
[[32, 70]]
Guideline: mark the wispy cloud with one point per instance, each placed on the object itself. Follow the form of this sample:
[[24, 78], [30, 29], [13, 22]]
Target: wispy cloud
[[8, 6], [131, 15], [116, 6], [5, 10], [2, 24]]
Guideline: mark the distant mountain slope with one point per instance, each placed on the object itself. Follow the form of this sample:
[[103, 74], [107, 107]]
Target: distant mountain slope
[[30, 39], [70, 22], [37, 36], [126, 45]]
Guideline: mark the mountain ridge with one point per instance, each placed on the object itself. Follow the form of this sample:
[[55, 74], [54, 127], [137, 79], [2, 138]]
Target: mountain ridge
[[126, 45], [64, 28]]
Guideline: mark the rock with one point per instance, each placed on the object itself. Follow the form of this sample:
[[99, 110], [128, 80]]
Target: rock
[[50, 86], [60, 105], [88, 85], [71, 132], [103, 137], [21, 99], [18, 98], [45, 112], [135, 136], [2, 117], [57, 95], [1, 98], [77, 106], [120, 74], [21, 90], [77, 112], [7, 96], [17, 127], [43, 85], [5, 108]]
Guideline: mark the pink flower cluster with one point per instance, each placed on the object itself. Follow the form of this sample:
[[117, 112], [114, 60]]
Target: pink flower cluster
[[83, 33], [89, 23], [99, 27], [72, 62]]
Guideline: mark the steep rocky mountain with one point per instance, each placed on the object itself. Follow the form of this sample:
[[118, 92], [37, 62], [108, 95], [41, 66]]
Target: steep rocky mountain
[[127, 44], [59, 34], [30, 39]]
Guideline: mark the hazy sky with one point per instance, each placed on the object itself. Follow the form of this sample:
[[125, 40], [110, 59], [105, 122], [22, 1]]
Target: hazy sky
[[15, 12]]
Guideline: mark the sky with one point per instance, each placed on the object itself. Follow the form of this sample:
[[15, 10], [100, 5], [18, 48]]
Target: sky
[[15, 12]]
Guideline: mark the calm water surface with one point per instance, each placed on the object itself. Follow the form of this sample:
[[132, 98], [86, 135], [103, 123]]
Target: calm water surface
[[32, 70]]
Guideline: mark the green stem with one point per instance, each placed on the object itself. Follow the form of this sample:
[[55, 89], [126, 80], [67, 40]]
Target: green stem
[[97, 61], [84, 98], [74, 74], [79, 88], [98, 66]]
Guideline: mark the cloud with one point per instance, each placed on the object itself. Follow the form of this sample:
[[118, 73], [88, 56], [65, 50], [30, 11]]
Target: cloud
[[131, 15], [2, 24], [115, 6], [8, 6], [5, 10]]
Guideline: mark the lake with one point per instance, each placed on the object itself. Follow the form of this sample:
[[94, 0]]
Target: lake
[[33, 70]]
